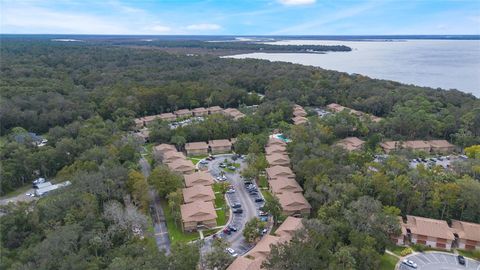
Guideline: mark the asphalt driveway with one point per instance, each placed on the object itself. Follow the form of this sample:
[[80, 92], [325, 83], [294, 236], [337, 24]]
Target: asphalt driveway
[[438, 261], [241, 195]]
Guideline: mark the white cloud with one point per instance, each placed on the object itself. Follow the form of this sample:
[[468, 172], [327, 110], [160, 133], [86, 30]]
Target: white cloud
[[37, 20], [296, 2], [203, 26], [160, 28]]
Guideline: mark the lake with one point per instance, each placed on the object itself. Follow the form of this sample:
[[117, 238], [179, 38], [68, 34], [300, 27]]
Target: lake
[[447, 64]]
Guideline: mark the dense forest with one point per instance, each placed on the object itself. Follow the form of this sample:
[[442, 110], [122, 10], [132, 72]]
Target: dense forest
[[83, 99]]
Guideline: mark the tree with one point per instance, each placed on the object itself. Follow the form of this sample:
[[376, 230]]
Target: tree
[[473, 151], [138, 188], [218, 258], [165, 181], [184, 256], [253, 229], [273, 207], [175, 199]]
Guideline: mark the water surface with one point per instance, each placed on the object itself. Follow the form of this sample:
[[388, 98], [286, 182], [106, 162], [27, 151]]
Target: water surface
[[447, 64]]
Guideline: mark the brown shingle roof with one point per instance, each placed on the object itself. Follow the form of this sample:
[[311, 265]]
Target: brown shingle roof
[[181, 165], [183, 112], [198, 212], [416, 144], [278, 159], [351, 143], [288, 228], [198, 178], [164, 116], [336, 107], [198, 193], [429, 227], [390, 145], [199, 110], [276, 148], [282, 185], [275, 141], [214, 109], [279, 171], [219, 143], [293, 201], [243, 263], [171, 156], [162, 148], [262, 249], [440, 143], [466, 230], [298, 120], [196, 146]]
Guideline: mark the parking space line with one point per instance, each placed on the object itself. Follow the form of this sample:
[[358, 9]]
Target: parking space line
[[423, 258]]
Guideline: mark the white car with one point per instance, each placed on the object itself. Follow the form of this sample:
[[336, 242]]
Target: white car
[[232, 252], [230, 191], [410, 263]]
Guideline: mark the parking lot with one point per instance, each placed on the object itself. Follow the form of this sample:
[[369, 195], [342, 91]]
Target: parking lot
[[438, 261], [243, 197]]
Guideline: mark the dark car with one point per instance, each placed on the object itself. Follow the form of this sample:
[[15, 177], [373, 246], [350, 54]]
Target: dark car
[[246, 183], [232, 228], [238, 211], [253, 193], [236, 205], [461, 259], [227, 231], [259, 200]]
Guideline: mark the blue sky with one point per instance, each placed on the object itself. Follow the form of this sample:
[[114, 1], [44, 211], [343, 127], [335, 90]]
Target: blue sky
[[256, 17]]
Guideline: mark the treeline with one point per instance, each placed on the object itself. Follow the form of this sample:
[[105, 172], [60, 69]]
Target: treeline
[[236, 46], [45, 84]]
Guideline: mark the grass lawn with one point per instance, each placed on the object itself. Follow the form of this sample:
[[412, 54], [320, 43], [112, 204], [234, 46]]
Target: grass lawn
[[396, 249], [266, 194], [262, 182], [469, 253], [222, 215], [388, 262], [175, 232], [196, 159]]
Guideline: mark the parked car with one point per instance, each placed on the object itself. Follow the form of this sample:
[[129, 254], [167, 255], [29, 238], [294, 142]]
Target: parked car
[[253, 193], [259, 200], [409, 263], [264, 231], [236, 205], [238, 211], [261, 213], [233, 168], [221, 178], [461, 259], [232, 228], [230, 191], [227, 231], [203, 162], [222, 165], [264, 218], [246, 183], [232, 252]]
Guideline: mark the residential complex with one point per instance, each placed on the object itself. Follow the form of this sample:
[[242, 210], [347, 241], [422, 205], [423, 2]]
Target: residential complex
[[438, 234], [255, 257], [434, 146]]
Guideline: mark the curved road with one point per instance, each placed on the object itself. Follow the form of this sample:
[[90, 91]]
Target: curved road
[[241, 195]]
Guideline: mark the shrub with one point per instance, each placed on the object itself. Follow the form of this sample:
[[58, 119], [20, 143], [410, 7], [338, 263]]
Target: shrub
[[419, 248], [406, 251]]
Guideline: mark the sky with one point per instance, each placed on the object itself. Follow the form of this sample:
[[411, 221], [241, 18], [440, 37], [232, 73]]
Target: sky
[[239, 17]]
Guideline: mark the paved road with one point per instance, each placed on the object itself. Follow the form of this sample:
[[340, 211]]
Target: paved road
[[438, 260], [250, 208], [156, 211]]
